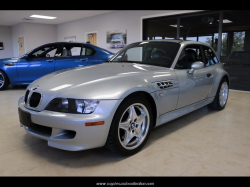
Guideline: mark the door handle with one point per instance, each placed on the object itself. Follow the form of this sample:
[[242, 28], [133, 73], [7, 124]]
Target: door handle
[[51, 60], [84, 59], [209, 75]]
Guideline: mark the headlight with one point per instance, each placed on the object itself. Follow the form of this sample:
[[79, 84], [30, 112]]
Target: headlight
[[75, 106]]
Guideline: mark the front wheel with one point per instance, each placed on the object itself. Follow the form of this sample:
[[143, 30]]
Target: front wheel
[[130, 127], [220, 99], [4, 82]]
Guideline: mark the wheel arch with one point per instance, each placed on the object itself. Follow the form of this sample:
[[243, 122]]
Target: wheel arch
[[5, 74], [149, 98]]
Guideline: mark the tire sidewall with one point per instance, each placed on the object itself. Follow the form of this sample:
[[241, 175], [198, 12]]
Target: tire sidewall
[[116, 120]]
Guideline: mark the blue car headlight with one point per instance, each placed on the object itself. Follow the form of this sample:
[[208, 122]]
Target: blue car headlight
[[75, 106]]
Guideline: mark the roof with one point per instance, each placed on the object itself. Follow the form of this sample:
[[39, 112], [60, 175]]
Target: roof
[[175, 41]]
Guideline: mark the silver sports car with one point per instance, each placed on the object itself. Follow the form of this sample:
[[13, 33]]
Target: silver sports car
[[116, 104]]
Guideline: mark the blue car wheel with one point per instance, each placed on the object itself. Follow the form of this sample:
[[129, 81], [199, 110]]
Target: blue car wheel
[[4, 81]]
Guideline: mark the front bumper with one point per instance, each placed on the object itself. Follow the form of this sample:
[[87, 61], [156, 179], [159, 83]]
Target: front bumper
[[61, 125], [117, 45]]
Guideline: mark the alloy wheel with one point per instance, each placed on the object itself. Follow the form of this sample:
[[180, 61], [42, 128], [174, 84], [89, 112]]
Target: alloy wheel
[[1, 80], [223, 94], [133, 126]]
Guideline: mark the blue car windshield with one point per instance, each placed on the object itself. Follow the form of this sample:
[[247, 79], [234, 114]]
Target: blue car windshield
[[117, 37], [150, 53]]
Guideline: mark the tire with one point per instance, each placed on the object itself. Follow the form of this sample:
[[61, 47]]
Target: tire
[[4, 81], [218, 104], [119, 140]]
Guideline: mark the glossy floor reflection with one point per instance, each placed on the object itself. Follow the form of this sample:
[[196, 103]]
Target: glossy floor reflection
[[202, 143]]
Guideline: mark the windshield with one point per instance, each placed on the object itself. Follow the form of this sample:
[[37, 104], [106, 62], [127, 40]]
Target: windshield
[[117, 37], [151, 53]]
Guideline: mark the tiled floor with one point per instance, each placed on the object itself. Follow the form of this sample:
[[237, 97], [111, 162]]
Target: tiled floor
[[202, 143]]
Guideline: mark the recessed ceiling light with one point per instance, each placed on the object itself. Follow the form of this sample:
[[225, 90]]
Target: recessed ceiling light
[[42, 17], [175, 25], [225, 21]]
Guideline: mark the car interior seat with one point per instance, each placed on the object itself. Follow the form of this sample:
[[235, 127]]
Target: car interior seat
[[191, 57], [66, 52], [158, 57]]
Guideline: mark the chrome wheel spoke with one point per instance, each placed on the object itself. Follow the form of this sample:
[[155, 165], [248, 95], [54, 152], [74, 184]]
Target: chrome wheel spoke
[[128, 138], [141, 118], [125, 125], [132, 113], [133, 126], [139, 131]]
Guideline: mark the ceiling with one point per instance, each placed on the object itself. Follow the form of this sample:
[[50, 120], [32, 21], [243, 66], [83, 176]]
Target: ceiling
[[13, 17]]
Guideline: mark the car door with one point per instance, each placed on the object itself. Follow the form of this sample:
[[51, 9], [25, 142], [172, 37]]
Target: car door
[[192, 87], [73, 55], [38, 63]]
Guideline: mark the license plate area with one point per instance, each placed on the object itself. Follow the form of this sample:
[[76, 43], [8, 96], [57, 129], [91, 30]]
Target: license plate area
[[24, 117]]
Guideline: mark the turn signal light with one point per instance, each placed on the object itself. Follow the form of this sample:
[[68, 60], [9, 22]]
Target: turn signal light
[[94, 123]]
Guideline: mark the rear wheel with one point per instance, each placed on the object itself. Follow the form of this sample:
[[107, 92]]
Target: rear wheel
[[4, 81], [130, 127], [220, 99]]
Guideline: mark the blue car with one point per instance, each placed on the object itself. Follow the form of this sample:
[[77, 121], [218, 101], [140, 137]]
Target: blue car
[[47, 59]]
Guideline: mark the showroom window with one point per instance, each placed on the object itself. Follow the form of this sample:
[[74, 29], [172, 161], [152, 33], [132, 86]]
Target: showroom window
[[227, 32], [156, 29], [210, 57]]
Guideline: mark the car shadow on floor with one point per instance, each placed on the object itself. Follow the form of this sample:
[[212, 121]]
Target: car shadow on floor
[[94, 157]]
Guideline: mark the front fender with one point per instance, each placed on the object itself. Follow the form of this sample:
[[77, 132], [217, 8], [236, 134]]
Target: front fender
[[218, 72], [8, 66]]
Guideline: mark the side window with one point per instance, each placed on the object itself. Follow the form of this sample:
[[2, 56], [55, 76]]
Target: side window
[[69, 50], [188, 56], [210, 57], [87, 51], [75, 51], [47, 51]]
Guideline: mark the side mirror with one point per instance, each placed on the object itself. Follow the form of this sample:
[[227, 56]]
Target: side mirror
[[195, 66], [47, 55]]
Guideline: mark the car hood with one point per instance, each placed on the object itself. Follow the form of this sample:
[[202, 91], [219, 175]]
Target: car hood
[[9, 60], [103, 81]]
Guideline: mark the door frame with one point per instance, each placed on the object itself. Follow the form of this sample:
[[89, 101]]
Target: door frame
[[86, 36], [24, 44]]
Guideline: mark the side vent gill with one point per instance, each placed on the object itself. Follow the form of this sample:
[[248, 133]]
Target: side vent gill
[[164, 84]]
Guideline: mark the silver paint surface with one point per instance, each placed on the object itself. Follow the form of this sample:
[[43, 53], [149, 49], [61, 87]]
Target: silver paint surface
[[111, 83]]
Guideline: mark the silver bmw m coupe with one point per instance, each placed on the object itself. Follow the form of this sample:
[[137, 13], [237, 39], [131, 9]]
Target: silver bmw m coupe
[[117, 103]]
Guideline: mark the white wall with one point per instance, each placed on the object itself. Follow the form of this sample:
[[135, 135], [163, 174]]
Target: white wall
[[6, 38], [118, 20], [39, 34], [34, 35]]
